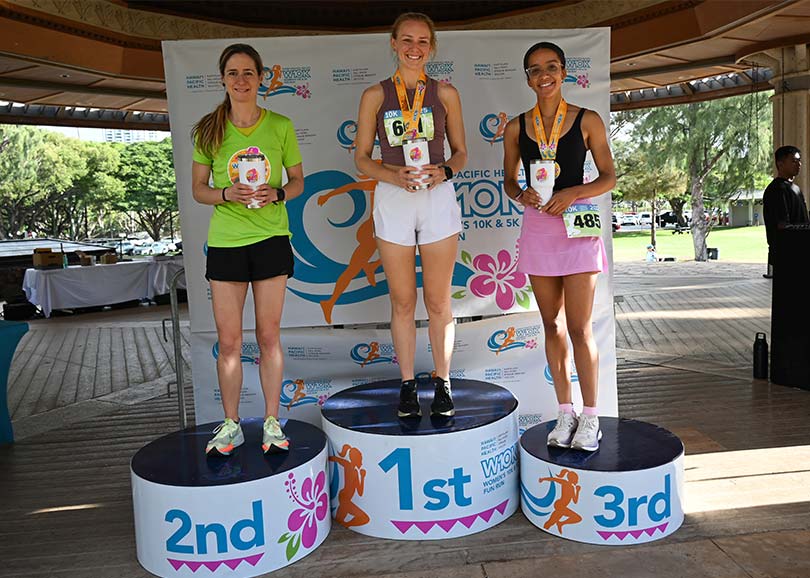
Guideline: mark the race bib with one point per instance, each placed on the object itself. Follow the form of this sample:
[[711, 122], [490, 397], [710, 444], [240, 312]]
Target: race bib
[[582, 220], [395, 127]]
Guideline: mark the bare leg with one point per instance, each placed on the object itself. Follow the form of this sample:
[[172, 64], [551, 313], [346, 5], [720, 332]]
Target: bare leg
[[579, 290], [268, 296], [399, 263], [548, 291], [437, 273], [228, 300]]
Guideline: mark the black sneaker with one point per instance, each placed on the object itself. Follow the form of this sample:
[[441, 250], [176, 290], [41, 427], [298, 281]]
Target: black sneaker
[[442, 398], [408, 400]]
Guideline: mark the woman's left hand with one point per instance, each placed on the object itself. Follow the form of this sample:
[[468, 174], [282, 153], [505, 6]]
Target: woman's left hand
[[264, 194], [433, 175], [560, 201]]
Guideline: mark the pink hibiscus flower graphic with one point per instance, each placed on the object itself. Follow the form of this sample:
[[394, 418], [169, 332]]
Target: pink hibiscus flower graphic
[[303, 521], [302, 90], [497, 276], [583, 81]]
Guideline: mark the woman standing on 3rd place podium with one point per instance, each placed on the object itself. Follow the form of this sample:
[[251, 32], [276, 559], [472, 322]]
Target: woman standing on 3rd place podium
[[560, 245], [411, 114]]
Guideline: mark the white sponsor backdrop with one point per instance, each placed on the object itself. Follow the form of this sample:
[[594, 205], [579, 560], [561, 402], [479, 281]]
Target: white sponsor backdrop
[[317, 82]]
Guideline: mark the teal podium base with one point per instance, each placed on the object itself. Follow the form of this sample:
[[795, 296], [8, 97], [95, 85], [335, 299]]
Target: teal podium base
[[10, 334]]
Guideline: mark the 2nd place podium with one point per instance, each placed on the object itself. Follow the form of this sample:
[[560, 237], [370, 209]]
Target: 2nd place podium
[[241, 515]]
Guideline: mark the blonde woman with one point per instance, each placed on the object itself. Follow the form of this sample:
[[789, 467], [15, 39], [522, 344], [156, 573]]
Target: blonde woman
[[415, 207]]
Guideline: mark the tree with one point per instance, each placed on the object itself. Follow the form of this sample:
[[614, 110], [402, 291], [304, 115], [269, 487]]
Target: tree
[[20, 169], [150, 192], [646, 176], [719, 144]]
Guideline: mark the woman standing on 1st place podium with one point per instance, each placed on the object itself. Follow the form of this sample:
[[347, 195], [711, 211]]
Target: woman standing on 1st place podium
[[415, 205], [249, 235], [560, 245]]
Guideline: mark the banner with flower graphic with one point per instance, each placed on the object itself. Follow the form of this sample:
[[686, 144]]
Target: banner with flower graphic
[[317, 82], [319, 362]]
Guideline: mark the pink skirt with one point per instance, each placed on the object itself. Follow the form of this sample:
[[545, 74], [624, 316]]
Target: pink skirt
[[545, 250]]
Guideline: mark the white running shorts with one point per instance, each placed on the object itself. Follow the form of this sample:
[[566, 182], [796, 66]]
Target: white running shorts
[[415, 218]]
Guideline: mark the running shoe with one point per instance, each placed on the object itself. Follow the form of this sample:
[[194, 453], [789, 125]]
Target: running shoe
[[442, 398], [408, 400], [588, 434], [273, 439], [564, 431], [227, 436]]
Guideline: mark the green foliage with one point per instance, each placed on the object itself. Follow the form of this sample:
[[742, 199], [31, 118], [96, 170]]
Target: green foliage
[[720, 146], [63, 187], [150, 193]]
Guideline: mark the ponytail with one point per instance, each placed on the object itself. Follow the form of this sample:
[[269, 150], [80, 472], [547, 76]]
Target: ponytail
[[208, 133]]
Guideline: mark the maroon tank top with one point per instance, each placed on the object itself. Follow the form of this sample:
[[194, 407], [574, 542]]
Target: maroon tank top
[[393, 155]]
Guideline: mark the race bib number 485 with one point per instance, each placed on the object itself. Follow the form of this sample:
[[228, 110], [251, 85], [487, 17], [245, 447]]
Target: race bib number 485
[[582, 221], [395, 128]]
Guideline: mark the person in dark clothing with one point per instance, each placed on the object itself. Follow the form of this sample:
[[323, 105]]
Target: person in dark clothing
[[783, 202]]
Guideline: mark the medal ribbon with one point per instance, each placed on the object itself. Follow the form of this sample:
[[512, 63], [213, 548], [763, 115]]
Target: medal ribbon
[[410, 116], [548, 148]]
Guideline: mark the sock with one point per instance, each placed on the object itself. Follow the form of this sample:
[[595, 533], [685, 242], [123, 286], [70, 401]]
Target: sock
[[589, 411], [567, 407]]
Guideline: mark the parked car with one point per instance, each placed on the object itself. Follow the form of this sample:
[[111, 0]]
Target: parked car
[[666, 218], [170, 244], [616, 225], [628, 219], [645, 219], [125, 247], [158, 248]]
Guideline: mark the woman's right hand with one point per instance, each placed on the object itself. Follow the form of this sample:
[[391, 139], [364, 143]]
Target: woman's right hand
[[239, 193], [530, 198], [408, 178]]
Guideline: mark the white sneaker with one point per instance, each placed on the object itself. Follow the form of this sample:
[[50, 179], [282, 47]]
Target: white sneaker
[[588, 434], [273, 438], [228, 435], [562, 433]]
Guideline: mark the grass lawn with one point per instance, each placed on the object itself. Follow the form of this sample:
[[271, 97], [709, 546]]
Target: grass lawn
[[739, 244]]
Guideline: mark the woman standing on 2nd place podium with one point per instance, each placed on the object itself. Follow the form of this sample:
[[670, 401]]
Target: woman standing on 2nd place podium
[[246, 246], [562, 259], [401, 110]]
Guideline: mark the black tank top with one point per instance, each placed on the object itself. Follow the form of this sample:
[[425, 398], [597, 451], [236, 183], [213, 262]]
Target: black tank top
[[571, 153]]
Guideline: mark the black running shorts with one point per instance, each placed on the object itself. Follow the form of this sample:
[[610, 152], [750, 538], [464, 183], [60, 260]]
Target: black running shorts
[[263, 260]]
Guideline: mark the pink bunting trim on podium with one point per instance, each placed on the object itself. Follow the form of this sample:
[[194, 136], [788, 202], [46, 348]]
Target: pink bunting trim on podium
[[213, 565], [467, 521], [621, 535]]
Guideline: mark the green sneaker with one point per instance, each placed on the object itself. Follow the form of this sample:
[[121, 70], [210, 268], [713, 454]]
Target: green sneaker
[[273, 439], [228, 435]]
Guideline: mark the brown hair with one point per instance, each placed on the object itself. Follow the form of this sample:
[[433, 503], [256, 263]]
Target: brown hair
[[418, 17], [208, 133]]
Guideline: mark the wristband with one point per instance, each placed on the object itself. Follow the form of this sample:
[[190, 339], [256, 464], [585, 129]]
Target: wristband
[[520, 194], [448, 172], [223, 195], [281, 195]]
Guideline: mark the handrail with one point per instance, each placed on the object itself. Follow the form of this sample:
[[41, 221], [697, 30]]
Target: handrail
[[178, 347]]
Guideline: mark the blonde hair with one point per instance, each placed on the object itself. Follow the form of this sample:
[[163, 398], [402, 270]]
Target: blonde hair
[[417, 17], [209, 131]]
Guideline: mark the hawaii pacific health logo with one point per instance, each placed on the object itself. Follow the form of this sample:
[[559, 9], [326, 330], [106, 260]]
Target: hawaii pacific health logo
[[492, 127], [373, 353], [288, 80], [513, 338]]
